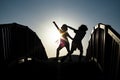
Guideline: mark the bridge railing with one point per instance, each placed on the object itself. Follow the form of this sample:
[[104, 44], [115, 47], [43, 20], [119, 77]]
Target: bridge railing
[[18, 42], [104, 49]]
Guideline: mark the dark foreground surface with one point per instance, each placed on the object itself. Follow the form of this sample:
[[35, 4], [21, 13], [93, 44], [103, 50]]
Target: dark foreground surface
[[51, 70]]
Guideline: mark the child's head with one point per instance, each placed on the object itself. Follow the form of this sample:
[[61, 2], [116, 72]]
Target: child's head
[[64, 27], [83, 27]]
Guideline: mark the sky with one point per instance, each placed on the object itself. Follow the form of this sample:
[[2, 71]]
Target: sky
[[38, 15]]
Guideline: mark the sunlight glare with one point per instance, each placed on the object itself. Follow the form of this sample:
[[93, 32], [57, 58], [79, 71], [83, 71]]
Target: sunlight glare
[[54, 36]]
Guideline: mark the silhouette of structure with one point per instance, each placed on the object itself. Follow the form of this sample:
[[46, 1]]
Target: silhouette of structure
[[104, 49], [19, 43]]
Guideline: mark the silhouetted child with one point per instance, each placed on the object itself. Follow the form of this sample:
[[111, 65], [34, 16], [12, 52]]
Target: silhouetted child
[[77, 41], [63, 40]]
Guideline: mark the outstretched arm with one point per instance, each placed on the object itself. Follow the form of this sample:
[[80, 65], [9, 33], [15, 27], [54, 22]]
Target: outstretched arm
[[70, 37], [71, 28], [55, 24]]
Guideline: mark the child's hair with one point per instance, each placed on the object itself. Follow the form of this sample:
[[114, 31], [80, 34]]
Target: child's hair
[[83, 27], [64, 27]]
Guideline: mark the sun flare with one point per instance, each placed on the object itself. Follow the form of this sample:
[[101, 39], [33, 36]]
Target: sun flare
[[53, 33], [54, 37]]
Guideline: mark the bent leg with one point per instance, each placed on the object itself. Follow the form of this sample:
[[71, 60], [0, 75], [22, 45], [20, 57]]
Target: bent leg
[[69, 54]]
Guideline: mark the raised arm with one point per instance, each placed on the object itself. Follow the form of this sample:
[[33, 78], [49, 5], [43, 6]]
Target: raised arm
[[55, 24]]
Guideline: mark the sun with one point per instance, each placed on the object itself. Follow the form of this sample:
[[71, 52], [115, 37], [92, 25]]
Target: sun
[[51, 37], [54, 36], [53, 33]]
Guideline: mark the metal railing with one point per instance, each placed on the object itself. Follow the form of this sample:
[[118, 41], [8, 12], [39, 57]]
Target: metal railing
[[104, 49], [18, 42]]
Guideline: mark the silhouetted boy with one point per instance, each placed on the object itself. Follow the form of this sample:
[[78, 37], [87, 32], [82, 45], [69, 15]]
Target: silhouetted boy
[[77, 41], [63, 40]]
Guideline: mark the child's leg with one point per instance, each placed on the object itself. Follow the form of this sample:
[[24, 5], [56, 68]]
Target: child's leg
[[57, 53], [81, 51], [68, 54]]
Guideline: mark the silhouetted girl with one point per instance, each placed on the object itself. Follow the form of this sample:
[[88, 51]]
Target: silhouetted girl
[[77, 41], [63, 40]]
